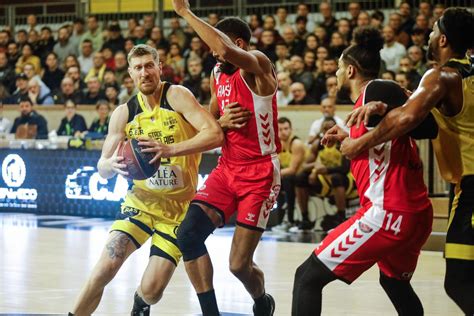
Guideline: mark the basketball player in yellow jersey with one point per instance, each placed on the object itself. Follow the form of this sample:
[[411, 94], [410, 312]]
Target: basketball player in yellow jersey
[[169, 122], [448, 92]]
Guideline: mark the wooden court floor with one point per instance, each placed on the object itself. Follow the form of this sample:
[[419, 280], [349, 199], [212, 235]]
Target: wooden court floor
[[43, 269]]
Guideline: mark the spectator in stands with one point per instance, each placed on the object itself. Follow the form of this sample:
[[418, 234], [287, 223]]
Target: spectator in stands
[[376, 19], [269, 24], [74, 73], [7, 73], [331, 88], [52, 74], [115, 41], [328, 110], [128, 89], [321, 54], [300, 96], [4, 39], [425, 8], [46, 42], [70, 61], [5, 96], [329, 21], [322, 35], [281, 19], [212, 18], [167, 72], [392, 51], [13, 54], [109, 77], [415, 53], [157, 36], [132, 23], [101, 124], [68, 92], [108, 58], [363, 19], [337, 45], [344, 28], [178, 31], [422, 23], [32, 22], [192, 81], [291, 158], [309, 59], [284, 95], [302, 9], [282, 63], [64, 47], [5, 123], [85, 58], [295, 45], [312, 43], [401, 36], [298, 73], [139, 35], [407, 21], [30, 117], [205, 92], [319, 88], [406, 66], [93, 92], [418, 38], [27, 57], [256, 25], [72, 124], [29, 71], [98, 67], [33, 40], [267, 45], [37, 94], [21, 38], [111, 94], [176, 60], [21, 91], [402, 79], [354, 11], [129, 43], [78, 30], [438, 11], [94, 33], [388, 75], [121, 66], [148, 24], [301, 31]]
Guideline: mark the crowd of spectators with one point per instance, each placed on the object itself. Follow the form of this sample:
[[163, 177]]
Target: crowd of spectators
[[85, 61]]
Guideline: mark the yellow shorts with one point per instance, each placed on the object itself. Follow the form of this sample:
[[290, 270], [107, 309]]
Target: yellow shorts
[[144, 215]]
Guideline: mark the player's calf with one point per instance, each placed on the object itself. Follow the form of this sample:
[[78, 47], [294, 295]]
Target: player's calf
[[402, 295]]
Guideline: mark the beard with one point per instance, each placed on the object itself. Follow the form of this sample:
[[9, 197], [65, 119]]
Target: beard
[[227, 68], [431, 52], [149, 89]]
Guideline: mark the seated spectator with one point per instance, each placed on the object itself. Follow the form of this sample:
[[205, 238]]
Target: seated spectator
[[402, 79], [300, 25], [312, 43], [64, 47], [52, 74], [157, 36], [121, 66], [291, 158], [376, 19], [111, 94], [46, 42], [13, 54], [281, 21], [78, 30], [5, 96], [132, 23], [21, 89], [37, 95], [85, 59], [72, 124], [331, 88], [418, 38], [321, 54], [284, 95], [269, 24], [422, 23], [388, 75], [101, 124], [256, 25], [282, 63], [27, 57], [7, 73], [176, 60], [299, 74], [74, 73], [309, 59], [392, 51], [109, 77], [98, 67], [68, 93], [139, 35], [354, 9], [33, 123], [93, 92], [406, 66], [167, 72], [192, 81], [33, 40], [395, 23], [94, 33], [363, 19], [344, 28], [197, 49], [328, 109], [267, 45], [302, 9], [108, 58], [329, 21], [299, 95], [416, 55], [115, 41], [213, 18], [177, 32], [5, 124], [205, 92], [128, 90], [294, 44], [322, 35], [21, 38], [70, 61], [337, 45], [319, 88]]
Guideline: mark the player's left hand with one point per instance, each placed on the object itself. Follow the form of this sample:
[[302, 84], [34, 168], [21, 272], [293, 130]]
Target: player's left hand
[[351, 148], [181, 7], [152, 146], [363, 113]]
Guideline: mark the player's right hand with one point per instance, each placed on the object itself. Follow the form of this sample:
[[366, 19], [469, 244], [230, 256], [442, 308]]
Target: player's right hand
[[117, 165], [333, 135], [363, 113], [234, 116]]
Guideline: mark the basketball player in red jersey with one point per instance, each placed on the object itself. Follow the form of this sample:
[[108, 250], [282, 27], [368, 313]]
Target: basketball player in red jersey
[[247, 178], [395, 216]]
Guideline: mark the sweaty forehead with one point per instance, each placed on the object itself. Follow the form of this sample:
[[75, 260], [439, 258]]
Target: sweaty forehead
[[141, 60]]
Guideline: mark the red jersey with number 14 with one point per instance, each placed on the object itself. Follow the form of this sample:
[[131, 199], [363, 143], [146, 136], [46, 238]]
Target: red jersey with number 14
[[258, 139], [390, 175]]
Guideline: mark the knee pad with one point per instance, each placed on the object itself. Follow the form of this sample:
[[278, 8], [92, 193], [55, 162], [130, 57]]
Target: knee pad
[[192, 233], [313, 273]]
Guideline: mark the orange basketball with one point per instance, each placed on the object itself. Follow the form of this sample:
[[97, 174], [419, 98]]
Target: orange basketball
[[137, 161]]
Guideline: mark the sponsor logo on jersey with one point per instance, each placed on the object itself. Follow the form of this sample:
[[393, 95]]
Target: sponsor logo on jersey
[[365, 228]]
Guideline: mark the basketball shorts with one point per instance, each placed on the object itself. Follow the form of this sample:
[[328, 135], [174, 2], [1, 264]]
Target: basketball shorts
[[392, 239], [144, 215], [325, 188], [460, 236], [250, 189]]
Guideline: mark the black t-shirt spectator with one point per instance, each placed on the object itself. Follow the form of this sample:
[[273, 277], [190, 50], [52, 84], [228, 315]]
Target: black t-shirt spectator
[[69, 128], [7, 78], [92, 99], [16, 97], [53, 78], [307, 100], [33, 119], [96, 127], [115, 45], [76, 97]]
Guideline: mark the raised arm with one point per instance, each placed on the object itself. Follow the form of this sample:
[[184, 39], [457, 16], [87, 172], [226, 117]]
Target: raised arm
[[251, 62], [109, 164]]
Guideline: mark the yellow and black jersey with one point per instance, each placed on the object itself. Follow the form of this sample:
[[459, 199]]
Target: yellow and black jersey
[[177, 177], [285, 154], [454, 146], [330, 157]]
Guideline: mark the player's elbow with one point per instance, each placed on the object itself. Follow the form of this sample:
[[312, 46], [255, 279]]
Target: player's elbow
[[216, 136]]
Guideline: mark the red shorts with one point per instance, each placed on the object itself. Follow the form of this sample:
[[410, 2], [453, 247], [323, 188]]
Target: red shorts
[[249, 189], [391, 239]]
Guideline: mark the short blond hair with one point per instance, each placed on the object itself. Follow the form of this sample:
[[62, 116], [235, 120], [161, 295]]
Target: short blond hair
[[143, 50]]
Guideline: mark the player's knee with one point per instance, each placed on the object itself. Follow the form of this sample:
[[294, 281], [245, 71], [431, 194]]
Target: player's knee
[[311, 275], [239, 266], [105, 272], [192, 233], [152, 291]]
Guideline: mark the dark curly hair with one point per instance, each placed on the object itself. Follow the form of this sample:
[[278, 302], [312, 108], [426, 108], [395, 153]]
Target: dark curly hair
[[457, 25], [235, 27]]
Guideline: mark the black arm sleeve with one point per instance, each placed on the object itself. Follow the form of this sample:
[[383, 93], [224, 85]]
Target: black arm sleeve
[[394, 96]]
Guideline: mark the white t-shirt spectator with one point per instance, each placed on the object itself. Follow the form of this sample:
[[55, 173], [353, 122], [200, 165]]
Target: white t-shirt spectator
[[392, 55], [283, 100], [86, 64], [5, 125], [316, 126]]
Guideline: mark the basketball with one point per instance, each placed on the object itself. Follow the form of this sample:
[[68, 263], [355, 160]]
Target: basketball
[[137, 161]]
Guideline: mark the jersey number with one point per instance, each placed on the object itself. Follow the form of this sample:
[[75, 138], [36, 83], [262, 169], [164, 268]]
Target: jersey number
[[393, 225]]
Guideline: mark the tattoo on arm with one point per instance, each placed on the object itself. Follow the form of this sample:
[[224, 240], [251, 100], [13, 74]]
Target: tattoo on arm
[[117, 246]]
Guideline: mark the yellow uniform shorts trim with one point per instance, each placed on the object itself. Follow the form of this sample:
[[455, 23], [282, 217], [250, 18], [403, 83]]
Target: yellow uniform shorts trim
[[459, 251]]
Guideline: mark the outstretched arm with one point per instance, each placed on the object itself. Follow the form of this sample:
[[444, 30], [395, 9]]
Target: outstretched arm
[[251, 62], [401, 120]]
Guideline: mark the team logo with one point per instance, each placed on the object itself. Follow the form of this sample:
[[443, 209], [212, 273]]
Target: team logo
[[130, 211], [13, 171], [365, 228], [250, 217]]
